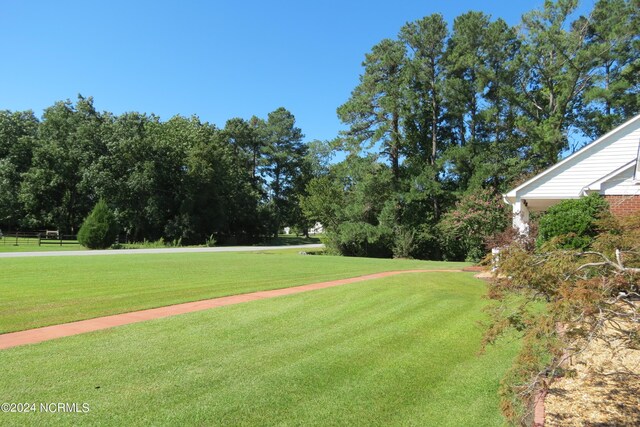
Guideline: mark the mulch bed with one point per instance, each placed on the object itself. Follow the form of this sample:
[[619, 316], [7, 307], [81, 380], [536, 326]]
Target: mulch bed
[[603, 388]]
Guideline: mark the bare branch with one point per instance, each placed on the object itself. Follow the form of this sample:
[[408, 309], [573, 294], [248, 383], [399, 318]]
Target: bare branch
[[619, 265]]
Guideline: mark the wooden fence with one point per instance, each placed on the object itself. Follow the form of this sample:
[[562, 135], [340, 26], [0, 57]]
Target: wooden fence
[[36, 238]]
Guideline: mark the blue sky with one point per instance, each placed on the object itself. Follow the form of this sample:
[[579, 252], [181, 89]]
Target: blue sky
[[216, 59]]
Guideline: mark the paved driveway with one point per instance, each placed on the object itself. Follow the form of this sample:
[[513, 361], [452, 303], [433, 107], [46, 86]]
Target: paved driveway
[[156, 251]]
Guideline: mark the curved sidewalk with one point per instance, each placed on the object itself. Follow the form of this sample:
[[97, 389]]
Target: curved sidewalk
[[32, 336]]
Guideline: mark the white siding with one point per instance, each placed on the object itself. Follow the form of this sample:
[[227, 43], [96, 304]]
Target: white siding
[[621, 185], [588, 166]]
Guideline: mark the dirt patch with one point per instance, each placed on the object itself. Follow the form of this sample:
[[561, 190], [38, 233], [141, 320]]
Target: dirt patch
[[485, 275], [482, 272], [475, 268], [601, 389]]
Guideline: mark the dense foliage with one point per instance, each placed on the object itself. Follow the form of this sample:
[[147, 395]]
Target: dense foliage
[[180, 179], [452, 117], [99, 230], [351, 201], [466, 227], [559, 300], [575, 220], [442, 118]]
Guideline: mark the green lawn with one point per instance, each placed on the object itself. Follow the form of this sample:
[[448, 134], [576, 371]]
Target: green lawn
[[44, 291], [395, 351]]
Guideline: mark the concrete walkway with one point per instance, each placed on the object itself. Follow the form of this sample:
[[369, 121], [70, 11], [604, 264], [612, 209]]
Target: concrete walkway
[[32, 336], [156, 251]]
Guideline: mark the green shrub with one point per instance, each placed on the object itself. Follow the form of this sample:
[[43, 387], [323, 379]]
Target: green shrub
[[210, 242], [359, 239], [404, 242], [573, 222], [99, 229]]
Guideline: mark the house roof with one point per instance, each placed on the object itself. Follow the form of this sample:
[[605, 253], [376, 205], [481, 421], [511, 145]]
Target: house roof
[[611, 166]]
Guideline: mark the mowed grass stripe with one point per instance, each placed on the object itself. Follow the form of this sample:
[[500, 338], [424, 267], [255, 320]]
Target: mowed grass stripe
[[37, 292], [395, 351]]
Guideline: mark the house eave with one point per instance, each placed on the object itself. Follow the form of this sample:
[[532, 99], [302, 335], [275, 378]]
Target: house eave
[[511, 199]]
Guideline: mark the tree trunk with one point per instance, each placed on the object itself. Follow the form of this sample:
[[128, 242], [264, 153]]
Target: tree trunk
[[434, 119], [395, 148]]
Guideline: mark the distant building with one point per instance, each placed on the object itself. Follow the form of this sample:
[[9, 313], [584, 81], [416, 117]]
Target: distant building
[[316, 229]]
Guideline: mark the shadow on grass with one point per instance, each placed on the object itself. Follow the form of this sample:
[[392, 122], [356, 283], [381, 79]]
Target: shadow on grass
[[289, 240]]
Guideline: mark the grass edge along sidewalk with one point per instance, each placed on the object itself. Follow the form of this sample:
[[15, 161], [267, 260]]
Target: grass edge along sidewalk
[[400, 350], [37, 292], [33, 336]]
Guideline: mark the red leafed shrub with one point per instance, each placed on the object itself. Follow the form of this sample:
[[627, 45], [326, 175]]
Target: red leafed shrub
[[475, 217]]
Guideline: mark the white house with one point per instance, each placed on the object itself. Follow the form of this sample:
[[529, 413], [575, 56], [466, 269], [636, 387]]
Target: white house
[[609, 166], [316, 229]]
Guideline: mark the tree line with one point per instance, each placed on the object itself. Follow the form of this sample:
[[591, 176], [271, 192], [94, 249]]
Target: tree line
[[444, 120], [180, 180]]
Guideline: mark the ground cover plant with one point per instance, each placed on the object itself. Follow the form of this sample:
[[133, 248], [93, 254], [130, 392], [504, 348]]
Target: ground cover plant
[[43, 291], [394, 351]]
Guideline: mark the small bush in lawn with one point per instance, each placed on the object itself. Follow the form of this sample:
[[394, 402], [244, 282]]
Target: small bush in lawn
[[99, 229], [574, 220]]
